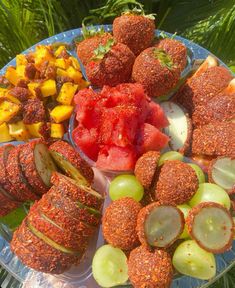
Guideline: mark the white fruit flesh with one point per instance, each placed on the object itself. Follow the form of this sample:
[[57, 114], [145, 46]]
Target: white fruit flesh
[[179, 127], [44, 163], [223, 172]]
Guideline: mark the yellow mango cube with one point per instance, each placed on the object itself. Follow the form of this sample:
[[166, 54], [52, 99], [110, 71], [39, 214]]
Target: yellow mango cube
[[75, 63], [67, 92], [4, 133], [19, 131], [61, 72], [62, 63], [48, 88], [57, 130], [83, 84], [10, 98], [21, 60], [74, 74], [43, 53], [34, 129], [12, 75], [20, 70], [59, 50], [61, 113], [3, 91], [32, 86], [7, 110]]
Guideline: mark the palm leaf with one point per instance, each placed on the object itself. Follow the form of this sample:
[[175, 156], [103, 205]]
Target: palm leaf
[[208, 23]]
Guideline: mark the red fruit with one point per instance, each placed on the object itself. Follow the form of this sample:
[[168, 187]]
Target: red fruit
[[126, 93], [87, 140], [152, 139], [156, 116], [116, 158], [119, 125]]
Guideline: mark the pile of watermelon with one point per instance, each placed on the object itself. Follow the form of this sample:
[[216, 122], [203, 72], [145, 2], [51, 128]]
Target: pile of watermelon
[[117, 125]]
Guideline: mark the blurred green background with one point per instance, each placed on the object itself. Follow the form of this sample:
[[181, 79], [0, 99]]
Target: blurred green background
[[210, 23]]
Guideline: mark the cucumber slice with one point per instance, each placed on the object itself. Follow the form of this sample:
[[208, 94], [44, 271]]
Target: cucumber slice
[[109, 266], [180, 128], [222, 172], [68, 168], [44, 163], [212, 226], [163, 225], [51, 242], [190, 259], [89, 209]]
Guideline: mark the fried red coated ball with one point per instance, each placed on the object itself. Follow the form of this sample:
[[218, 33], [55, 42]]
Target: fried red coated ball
[[175, 49], [200, 89], [157, 73], [145, 168], [177, 183], [115, 68], [119, 223], [214, 139], [85, 49], [150, 269], [135, 31]]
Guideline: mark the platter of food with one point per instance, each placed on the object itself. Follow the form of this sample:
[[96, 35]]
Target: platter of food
[[120, 140]]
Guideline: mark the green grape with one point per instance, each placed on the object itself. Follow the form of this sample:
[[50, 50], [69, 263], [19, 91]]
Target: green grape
[[199, 172], [109, 266], [190, 259], [208, 192], [185, 209], [126, 186], [170, 155]]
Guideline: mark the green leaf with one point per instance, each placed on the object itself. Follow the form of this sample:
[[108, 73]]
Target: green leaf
[[164, 59], [15, 217], [102, 50], [208, 23]]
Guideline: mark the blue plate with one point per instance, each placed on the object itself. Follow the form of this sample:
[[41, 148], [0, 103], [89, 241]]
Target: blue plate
[[11, 263]]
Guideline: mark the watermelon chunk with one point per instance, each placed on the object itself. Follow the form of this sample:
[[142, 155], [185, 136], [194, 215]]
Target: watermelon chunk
[[151, 139], [125, 94], [119, 125], [156, 116], [87, 141], [116, 158]]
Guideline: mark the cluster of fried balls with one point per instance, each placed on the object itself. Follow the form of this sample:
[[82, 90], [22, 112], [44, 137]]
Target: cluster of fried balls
[[133, 54], [124, 220]]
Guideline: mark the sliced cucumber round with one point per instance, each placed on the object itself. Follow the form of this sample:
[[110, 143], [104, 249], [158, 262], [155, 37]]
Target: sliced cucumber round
[[222, 172], [69, 168], [109, 266], [190, 259], [44, 163], [212, 226], [163, 225]]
